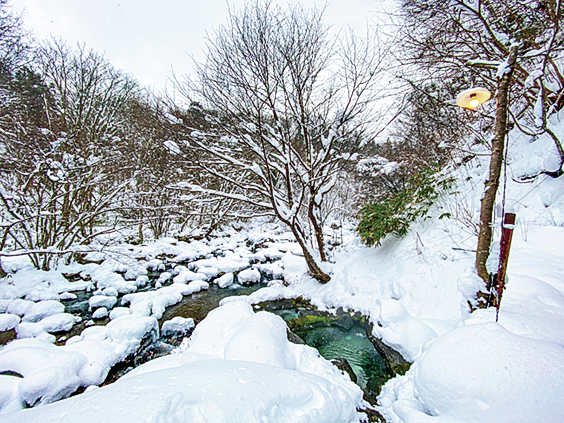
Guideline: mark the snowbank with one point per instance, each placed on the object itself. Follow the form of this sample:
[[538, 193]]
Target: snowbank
[[239, 366]]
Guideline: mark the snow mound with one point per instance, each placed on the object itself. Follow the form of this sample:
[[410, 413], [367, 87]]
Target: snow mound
[[238, 367], [484, 373]]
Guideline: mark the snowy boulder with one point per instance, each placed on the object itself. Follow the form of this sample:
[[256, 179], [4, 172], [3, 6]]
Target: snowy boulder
[[43, 309], [129, 332], [67, 296], [212, 334], [248, 276], [210, 272], [33, 330], [141, 281], [119, 312], [49, 373], [97, 301], [401, 331], [100, 359], [8, 321], [225, 280], [177, 325], [107, 279], [19, 307], [186, 276], [109, 292], [233, 263], [262, 339], [57, 323], [484, 373], [100, 313], [48, 384]]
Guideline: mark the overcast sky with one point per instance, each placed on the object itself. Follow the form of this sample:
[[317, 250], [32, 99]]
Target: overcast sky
[[149, 38]]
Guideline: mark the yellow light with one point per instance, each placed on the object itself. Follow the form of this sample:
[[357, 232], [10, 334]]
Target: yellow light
[[474, 103], [472, 98]]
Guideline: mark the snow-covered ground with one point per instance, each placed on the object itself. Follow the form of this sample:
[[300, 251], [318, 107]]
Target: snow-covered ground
[[238, 365]]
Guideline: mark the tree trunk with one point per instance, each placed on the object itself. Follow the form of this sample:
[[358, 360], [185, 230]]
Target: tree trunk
[[317, 229], [312, 264], [492, 184]]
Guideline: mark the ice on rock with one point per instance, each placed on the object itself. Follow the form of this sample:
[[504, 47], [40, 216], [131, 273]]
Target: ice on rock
[[43, 309], [248, 276], [100, 313], [177, 325], [225, 280], [8, 321], [97, 301]]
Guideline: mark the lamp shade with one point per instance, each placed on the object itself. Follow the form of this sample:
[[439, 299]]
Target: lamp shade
[[472, 98]]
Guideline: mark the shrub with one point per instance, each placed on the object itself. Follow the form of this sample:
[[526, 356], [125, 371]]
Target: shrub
[[395, 213]]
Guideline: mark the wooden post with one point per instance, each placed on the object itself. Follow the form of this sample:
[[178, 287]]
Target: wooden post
[[506, 236]]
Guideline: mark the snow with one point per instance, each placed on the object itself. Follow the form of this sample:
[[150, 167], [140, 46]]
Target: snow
[[225, 281], [43, 309], [248, 276], [514, 367], [100, 313], [177, 325], [210, 381], [8, 321], [237, 364], [101, 301]]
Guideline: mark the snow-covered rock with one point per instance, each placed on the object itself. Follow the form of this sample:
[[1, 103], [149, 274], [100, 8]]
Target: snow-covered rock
[[225, 281], [8, 321], [248, 276], [97, 301], [100, 313], [43, 309], [177, 325]]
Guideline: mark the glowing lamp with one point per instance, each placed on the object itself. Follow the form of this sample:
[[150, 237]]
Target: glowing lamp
[[472, 98]]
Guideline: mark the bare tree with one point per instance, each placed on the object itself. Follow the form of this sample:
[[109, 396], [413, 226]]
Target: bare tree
[[59, 168], [288, 106]]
